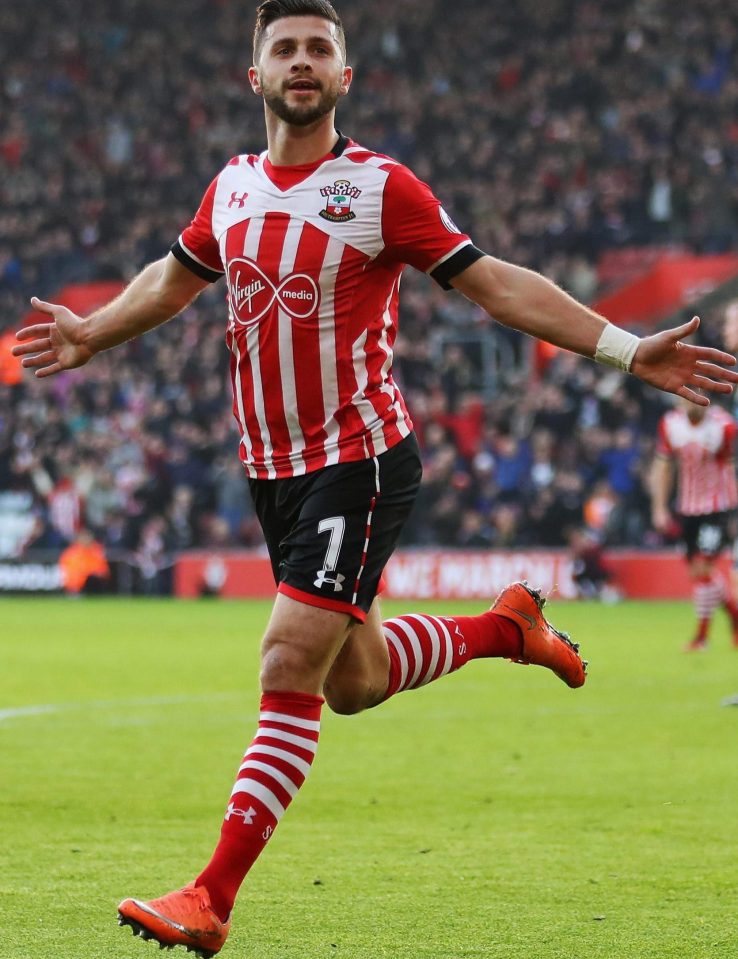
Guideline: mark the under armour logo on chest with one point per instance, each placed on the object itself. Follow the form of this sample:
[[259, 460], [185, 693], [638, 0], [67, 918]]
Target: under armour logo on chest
[[236, 199]]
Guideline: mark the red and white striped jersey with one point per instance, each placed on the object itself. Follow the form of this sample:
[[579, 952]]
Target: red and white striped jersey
[[703, 452], [312, 256]]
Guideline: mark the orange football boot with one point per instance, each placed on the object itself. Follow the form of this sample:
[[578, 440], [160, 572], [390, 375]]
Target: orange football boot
[[181, 918], [696, 645], [543, 645]]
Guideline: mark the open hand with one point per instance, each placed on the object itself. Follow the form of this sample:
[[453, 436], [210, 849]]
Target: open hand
[[666, 362], [55, 345]]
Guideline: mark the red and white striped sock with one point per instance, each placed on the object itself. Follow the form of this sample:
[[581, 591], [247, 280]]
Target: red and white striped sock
[[273, 769], [726, 599], [423, 648], [708, 595]]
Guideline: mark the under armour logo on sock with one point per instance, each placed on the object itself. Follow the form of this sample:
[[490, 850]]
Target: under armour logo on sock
[[324, 578], [248, 814]]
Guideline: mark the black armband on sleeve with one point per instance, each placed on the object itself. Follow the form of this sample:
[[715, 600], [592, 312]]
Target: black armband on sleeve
[[193, 265], [455, 264]]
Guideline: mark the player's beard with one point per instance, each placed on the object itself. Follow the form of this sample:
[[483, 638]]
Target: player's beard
[[301, 116]]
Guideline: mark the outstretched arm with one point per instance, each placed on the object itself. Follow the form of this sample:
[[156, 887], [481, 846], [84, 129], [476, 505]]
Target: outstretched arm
[[660, 482], [66, 341], [528, 302]]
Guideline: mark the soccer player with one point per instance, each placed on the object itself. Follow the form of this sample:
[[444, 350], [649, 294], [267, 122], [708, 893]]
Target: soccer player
[[312, 236], [700, 440], [730, 338]]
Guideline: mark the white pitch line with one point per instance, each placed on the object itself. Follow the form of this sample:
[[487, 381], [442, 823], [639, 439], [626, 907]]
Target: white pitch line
[[21, 712], [27, 711]]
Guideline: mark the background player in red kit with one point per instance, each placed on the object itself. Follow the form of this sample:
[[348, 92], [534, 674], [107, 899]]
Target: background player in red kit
[[730, 339], [700, 441], [312, 236]]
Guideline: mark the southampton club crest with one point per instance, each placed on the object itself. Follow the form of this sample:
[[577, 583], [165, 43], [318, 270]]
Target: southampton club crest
[[338, 201]]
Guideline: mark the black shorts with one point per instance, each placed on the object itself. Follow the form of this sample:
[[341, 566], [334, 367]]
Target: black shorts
[[330, 533], [705, 535]]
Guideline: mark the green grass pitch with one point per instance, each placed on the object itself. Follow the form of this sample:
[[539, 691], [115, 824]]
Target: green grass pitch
[[493, 814]]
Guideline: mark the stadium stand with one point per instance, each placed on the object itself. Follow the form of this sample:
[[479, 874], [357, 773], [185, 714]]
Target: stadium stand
[[622, 139]]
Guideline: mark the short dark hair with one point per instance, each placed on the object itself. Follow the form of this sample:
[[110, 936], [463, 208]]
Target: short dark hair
[[272, 10]]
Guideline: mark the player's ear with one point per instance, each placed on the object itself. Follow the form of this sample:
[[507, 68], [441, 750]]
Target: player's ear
[[254, 80], [346, 79]]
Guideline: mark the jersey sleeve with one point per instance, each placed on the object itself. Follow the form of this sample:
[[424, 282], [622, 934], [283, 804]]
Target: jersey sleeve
[[196, 248], [418, 231]]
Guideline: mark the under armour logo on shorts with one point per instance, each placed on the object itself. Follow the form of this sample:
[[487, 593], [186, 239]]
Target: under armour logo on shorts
[[328, 577]]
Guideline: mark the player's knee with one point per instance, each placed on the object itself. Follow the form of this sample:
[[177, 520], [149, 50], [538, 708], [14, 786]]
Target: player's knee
[[285, 665]]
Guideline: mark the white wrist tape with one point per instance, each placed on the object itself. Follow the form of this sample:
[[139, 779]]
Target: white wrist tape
[[617, 348]]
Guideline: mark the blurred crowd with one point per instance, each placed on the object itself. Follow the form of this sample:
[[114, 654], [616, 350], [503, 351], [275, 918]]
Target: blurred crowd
[[553, 130]]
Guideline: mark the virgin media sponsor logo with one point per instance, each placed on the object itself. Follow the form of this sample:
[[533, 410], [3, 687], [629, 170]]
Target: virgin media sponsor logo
[[253, 294]]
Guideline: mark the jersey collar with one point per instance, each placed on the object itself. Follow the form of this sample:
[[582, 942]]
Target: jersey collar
[[286, 177]]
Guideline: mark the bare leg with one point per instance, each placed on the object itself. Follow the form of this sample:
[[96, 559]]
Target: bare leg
[[300, 645], [360, 672]]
